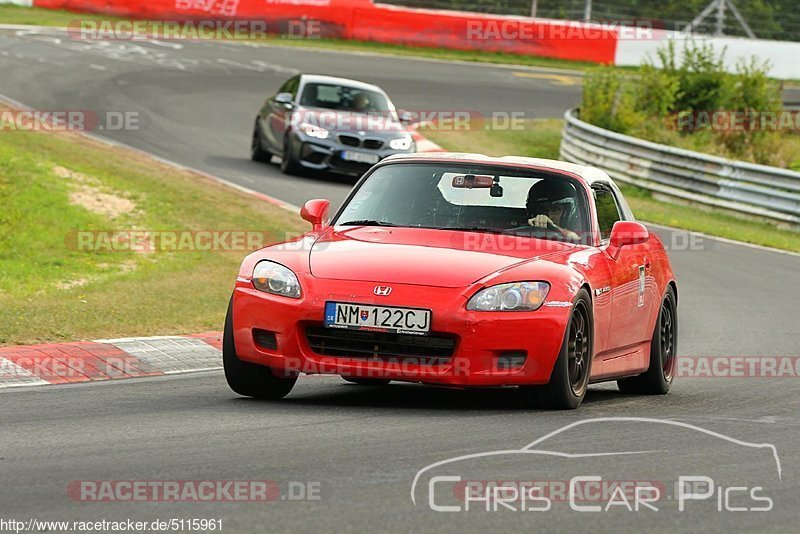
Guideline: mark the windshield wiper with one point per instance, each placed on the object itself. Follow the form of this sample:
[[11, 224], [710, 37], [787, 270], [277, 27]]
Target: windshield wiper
[[366, 222], [479, 229]]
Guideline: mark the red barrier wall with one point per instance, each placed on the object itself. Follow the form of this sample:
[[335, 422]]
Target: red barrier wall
[[364, 20]]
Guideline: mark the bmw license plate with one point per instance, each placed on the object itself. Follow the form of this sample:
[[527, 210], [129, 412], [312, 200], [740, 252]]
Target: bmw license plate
[[377, 318], [359, 157]]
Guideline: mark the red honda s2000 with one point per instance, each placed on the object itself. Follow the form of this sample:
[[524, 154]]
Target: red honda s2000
[[461, 270]]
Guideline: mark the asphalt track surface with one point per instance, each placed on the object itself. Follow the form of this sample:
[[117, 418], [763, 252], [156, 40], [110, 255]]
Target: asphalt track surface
[[363, 446]]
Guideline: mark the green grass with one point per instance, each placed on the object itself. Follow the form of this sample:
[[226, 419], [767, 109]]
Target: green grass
[[541, 139], [51, 291], [10, 14], [36, 16]]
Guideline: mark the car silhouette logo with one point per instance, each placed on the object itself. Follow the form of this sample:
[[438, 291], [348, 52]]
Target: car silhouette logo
[[382, 291]]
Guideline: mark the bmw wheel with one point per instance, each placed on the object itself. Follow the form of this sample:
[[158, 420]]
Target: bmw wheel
[[257, 152], [289, 164]]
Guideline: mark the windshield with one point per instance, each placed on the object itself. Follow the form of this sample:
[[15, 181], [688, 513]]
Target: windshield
[[476, 198], [343, 98]]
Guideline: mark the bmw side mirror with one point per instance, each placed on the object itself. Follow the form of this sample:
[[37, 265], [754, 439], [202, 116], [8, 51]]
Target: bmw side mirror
[[626, 233], [286, 99], [406, 117], [316, 212]]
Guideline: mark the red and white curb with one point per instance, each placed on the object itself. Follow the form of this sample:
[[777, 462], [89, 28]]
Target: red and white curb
[[110, 359], [423, 143]]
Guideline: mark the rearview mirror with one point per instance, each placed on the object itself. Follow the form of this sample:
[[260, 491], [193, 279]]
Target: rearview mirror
[[625, 233], [472, 181], [316, 212]]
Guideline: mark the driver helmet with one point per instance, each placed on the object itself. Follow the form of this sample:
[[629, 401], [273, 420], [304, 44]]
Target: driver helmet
[[549, 193], [361, 102]]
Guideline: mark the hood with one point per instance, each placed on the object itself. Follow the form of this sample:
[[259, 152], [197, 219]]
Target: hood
[[420, 256]]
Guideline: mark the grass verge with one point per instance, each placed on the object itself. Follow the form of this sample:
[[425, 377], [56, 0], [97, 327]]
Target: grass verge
[[10, 14], [53, 185], [541, 139]]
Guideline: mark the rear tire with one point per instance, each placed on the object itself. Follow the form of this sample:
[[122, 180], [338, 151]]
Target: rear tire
[[257, 152], [248, 379], [570, 377], [367, 381], [658, 378]]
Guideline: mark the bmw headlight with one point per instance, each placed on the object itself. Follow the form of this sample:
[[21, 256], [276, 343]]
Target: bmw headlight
[[403, 143], [312, 130], [274, 278], [517, 296]]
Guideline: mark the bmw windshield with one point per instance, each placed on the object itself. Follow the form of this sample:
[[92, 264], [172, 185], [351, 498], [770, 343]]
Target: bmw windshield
[[343, 98]]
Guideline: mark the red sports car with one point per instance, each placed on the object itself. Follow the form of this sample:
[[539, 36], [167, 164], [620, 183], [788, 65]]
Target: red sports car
[[461, 270]]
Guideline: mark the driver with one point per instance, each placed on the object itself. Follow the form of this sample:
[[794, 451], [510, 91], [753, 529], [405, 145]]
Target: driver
[[361, 102], [551, 205]]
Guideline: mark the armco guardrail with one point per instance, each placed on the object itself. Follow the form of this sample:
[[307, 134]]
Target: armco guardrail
[[755, 190]]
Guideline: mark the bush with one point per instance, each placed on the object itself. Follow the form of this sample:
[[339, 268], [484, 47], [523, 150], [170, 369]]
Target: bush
[[646, 103], [609, 101]]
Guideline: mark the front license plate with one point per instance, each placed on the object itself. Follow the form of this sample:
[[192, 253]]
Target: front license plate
[[360, 157], [377, 318]]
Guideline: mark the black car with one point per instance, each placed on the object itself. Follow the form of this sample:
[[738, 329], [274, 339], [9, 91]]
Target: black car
[[332, 124]]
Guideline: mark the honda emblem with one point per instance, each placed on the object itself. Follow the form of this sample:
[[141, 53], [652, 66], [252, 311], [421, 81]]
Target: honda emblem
[[382, 291]]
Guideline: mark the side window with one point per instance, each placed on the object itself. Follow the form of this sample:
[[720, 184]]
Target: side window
[[290, 86], [607, 210], [294, 85]]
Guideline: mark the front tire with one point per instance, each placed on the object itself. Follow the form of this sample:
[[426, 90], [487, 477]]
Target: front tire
[[570, 377], [658, 378], [289, 164], [248, 379], [257, 152]]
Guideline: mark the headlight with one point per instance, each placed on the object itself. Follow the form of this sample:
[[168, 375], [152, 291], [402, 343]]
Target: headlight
[[517, 296], [314, 131], [404, 143], [274, 278]]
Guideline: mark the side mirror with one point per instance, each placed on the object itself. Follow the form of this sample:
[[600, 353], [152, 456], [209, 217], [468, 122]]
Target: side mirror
[[625, 233], [316, 212], [285, 98], [405, 117]]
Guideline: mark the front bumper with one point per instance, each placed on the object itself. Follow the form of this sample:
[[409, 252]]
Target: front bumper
[[326, 155], [481, 339]]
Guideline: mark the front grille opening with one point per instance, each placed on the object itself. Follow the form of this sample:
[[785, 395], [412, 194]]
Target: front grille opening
[[265, 339], [511, 359], [349, 140], [423, 350], [373, 144]]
